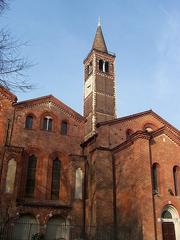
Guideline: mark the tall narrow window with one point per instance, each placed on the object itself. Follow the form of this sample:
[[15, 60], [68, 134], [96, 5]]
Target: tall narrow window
[[64, 128], [175, 176], [29, 122], [56, 173], [106, 67], [78, 184], [47, 123], [155, 169], [90, 68], [31, 176], [10, 178], [101, 63]]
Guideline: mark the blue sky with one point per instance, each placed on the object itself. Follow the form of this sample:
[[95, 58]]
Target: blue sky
[[145, 35]]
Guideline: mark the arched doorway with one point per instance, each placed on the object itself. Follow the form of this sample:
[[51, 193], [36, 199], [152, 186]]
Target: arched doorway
[[170, 223], [57, 228], [25, 227]]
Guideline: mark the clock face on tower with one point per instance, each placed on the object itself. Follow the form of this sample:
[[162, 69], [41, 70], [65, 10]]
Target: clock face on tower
[[88, 86]]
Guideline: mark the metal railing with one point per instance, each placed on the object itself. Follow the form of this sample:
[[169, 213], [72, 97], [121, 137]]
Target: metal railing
[[33, 231]]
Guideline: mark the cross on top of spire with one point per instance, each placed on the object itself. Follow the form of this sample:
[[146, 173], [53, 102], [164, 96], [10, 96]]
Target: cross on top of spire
[[99, 21]]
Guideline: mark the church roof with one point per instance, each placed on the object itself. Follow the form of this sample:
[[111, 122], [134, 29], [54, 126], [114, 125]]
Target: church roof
[[144, 134], [55, 101], [99, 42], [151, 112], [6, 93]]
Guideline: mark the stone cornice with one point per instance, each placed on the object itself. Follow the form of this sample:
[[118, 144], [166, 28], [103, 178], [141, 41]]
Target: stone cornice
[[39, 203], [108, 55], [135, 136], [166, 131], [14, 149]]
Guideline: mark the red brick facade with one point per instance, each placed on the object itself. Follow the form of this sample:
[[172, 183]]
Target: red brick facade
[[130, 165], [137, 209], [19, 142]]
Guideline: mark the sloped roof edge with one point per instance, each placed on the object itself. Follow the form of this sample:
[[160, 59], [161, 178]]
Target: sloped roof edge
[[117, 120], [8, 94], [56, 101]]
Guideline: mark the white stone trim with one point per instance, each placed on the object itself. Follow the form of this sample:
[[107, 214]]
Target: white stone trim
[[175, 219]]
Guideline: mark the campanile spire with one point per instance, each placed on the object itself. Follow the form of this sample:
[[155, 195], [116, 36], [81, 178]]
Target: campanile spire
[[99, 42]]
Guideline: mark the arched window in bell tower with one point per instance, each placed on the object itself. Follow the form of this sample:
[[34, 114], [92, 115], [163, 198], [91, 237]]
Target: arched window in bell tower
[[101, 64], [90, 68], [106, 67]]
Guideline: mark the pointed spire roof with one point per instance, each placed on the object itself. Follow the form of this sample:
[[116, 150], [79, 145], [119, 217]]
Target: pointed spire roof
[[99, 42]]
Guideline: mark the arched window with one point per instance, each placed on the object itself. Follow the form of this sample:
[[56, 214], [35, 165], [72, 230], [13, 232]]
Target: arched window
[[155, 178], [166, 214], [31, 176], [129, 132], [149, 127], [90, 68], [78, 184], [176, 179], [29, 122], [47, 123], [101, 64], [24, 228], [106, 67], [64, 128], [170, 225], [10, 178], [56, 173]]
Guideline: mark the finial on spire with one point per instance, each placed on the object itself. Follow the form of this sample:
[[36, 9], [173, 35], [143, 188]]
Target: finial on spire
[[99, 21]]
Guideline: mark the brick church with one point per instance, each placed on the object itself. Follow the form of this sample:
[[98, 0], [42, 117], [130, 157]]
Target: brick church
[[96, 176]]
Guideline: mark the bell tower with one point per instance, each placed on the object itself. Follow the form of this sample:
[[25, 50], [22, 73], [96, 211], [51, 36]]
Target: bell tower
[[99, 84]]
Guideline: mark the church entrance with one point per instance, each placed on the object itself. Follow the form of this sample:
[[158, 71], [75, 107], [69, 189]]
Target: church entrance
[[168, 231], [170, 223]]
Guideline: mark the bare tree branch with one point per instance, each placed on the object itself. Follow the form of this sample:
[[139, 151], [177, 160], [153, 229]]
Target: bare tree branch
[[3, 5], [12, 65]]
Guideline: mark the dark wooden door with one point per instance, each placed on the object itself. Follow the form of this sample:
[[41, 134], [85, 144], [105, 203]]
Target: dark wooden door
[[168, 231]]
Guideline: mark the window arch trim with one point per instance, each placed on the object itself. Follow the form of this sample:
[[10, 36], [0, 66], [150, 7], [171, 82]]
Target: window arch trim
[[29, 120], [48, 125], [149, 126]]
